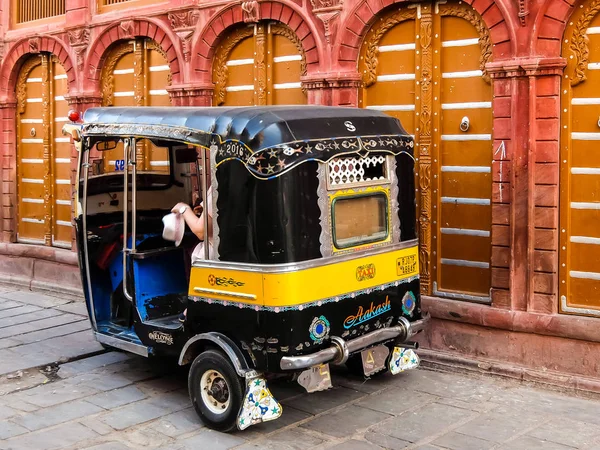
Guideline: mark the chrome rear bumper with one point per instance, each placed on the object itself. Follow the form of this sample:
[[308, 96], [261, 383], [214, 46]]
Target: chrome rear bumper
[[340, 350]]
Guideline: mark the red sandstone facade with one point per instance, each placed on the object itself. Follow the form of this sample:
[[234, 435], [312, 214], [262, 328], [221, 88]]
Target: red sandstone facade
[[522, 331]]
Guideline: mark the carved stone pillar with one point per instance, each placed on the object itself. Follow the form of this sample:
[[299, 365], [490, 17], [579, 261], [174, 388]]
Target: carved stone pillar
[[8, 112], [339, 89], [184, 25], [191, 95]]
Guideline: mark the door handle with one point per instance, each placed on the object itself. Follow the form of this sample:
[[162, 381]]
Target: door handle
[[465, 124]]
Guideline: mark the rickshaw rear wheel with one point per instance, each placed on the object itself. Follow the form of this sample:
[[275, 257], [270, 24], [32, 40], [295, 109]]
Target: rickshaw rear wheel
[[216, 390]]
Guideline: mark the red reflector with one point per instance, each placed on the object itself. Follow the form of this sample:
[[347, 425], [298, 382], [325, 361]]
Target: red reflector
[[74, 116]]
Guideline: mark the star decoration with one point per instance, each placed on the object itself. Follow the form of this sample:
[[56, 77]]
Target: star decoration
[[270, 168], [308, 148], [272, 153], [336, 145], [275, 410], [281, 163], [256, 382]]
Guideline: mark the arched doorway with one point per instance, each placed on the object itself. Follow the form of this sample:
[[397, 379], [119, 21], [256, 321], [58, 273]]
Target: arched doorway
[[43, 154], [137, 73], [425, 64], [259, 64], [579, 271]]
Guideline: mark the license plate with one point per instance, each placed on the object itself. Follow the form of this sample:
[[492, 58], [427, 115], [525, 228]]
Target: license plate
[[315, 379], [406, 265], [373, 359]]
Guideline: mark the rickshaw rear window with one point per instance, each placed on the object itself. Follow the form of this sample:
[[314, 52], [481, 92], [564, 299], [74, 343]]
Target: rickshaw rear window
[[360, 220]]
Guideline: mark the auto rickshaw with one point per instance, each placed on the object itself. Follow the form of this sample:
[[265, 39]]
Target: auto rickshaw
[[314, 251]]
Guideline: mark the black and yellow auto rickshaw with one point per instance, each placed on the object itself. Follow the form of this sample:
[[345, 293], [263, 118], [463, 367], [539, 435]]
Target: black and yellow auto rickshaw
[[314, 254]]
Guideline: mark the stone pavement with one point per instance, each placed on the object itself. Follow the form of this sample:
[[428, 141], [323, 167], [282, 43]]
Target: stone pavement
[[113, 400]]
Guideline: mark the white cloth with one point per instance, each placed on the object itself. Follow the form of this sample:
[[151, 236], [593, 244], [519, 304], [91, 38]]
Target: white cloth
[[198, 253]]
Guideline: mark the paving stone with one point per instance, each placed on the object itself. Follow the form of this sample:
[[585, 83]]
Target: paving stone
[[172, 401], [210, 439], [16, 330], [531, 443], [355, 445], [73, 345], [6, 412], [293, 439], [8, 304], [117, 397], [76, 307], [54, 438], [178, 423], [105, 382], [413, 426], [95, 425], [396, 400], [9, 342], [284, 390], [500, 424], [112, 445], [162, 385], [362, 384], [146, 437], [65, 412], [567, 432], [346, 422], [10, 429], [55, 393], [458, 441], [386, 441], [94, 362], [18, 311], [49, 333], [318, 402], [35, 298], [472, 406], [290, 416], [28, 317], [133, 414]]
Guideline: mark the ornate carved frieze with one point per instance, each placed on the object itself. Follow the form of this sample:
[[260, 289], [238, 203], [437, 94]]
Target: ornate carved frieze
[[79, 39], [184, 24], [128, 27], [373, 39], [580, 42], [485, 42], [223, 52], [251, 11], [328, 12], [523, 11]]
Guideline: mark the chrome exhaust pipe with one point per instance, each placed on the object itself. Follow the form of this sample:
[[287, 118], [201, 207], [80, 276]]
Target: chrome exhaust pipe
[[339, 352]]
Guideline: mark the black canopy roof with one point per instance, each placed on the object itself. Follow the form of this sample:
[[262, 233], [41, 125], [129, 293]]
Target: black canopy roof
[[269, 140]]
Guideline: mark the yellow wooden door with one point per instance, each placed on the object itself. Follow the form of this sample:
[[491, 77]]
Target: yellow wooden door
[[259, 65], [43, 155], [136, 73], [424, 64], [579, 272]]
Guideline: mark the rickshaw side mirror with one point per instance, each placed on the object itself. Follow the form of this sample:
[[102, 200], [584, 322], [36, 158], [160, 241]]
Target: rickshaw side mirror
[[106, 145], [186, 155]]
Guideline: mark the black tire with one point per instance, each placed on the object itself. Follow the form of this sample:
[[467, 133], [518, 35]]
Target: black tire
[[223, 371]]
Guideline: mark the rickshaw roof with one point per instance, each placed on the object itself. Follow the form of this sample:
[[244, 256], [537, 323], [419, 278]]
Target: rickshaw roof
[[269, 140]]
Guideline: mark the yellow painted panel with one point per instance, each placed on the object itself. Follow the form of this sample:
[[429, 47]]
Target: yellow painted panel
[[391, 93], [289, 97], [470, 185], [583, 223], [392, 63], [303, 286], [240, 76], [584, 257], [474, 217], [470, 248], [454, 154], [480, 122], [586, 117], [467, 280], [461, 90], [588, 88], [584, 293], [585, 188]]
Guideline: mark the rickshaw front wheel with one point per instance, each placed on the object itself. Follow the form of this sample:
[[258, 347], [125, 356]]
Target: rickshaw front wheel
[[216, 390]]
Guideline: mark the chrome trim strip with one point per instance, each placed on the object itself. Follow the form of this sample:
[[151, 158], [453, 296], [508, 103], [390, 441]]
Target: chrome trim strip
[[86, 164], [324, 216], [225, 293], [293, 267], [404, 331], [457, 296], [122, 344], [394, 206], [126, 145]]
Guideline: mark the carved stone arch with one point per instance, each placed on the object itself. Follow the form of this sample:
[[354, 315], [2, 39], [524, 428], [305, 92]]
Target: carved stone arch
[[470, 15], [286, 13], [221, 57], [30, 63], [283, 30], [115, 53], [17, 56], [142, 28]]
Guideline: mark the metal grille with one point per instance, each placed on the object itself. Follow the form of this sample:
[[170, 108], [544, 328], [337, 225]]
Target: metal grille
[[113, 2], [351, 170], [28, 10]]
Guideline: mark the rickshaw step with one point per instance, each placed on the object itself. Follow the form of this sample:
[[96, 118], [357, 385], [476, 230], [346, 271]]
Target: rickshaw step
[[168, 322]]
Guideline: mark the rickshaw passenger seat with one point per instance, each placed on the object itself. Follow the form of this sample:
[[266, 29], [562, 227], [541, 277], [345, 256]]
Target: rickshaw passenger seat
[[160, 282]]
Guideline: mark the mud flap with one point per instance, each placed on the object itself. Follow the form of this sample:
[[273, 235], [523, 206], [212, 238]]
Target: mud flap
[[259, 404], [315, 379], [403, 359]]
